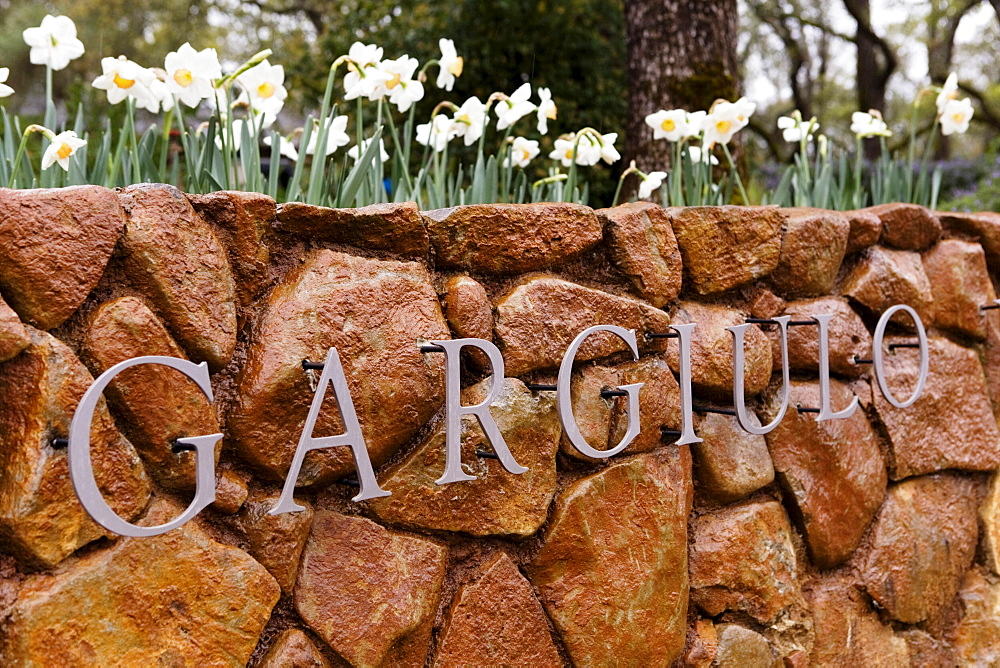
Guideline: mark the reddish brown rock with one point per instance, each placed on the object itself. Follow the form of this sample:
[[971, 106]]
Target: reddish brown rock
[[540, 317], [847, 336], [496, 502], [368, 592], [712, 351], [175, 259], [591, 411], [989, 514], [293, 649], [179, 598], [726, 246], [833, 470], [397, 228], [242, 220], [730, 463], [54, 245], [231, 492], [41, 520], [511, 238], [374, 313], [702, 646], [848, 631], [951, 425], [883, 278], [13, 335], [154, 404], [922, 542], [812, 247], [742, 558], [659, 404], [762, 303], [468, 308], [866, 229], [961, 284], [645, 249], [984, 226], [976, 639], [495, 620], [739, 646], [276, 541], [925, 650], [990, 357], [907, 226], [612, 572]]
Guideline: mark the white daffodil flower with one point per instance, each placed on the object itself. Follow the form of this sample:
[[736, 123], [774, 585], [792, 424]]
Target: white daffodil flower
[[608, 152], [54, 43], [470, 120], [948, 92], [515, 107], [956, 116], [650, 183], [437, 133], [336, 136], [450, 64], [122, 78], [546, 110], [264, 90], [401, 88], [5, 90], [253, 127], [794, 129], [285, 147], [670, 125], [159, 97], [588, 152], [62, 147], [190, 74], [695, 122], [869, 125], [364, 78], [522, 151], [356, 153], [726, 119], [697, 155]]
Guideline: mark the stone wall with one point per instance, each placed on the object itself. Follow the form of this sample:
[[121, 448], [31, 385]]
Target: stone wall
[[872, 540]]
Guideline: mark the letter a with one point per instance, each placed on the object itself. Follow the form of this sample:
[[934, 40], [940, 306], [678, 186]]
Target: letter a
[[333, 374]]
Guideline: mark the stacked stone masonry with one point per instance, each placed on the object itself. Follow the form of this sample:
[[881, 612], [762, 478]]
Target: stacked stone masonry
[[873, 540]]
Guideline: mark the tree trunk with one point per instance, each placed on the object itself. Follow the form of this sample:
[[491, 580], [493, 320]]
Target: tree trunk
[[876, 63], [681, 54]]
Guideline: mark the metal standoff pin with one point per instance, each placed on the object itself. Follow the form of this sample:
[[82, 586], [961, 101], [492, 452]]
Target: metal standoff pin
[[486, 455], [670, 433], [709, 409], [431, 349], [768, 321], [60, 443], [858, 360], [177, 447], [307, 365], [989, 307], [534, 387], [803, 409], [894, 346], [350, 482], [608, 394], [665, 335]]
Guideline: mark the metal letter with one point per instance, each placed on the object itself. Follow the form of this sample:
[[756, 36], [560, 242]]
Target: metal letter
[[565, 402], [454, 410], [333, 374], [81, 469], [687, 404], [739, 398], [877, 355], [826, 412]]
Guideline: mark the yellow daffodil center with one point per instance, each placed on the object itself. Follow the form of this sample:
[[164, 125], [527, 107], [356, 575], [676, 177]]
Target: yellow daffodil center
[[958, 117], [722, 127], [668, 125], [524, 156], [122, 82], [393, 82], [551, 113], [455, 66], [265, 90], [183, 78], [464, 118], [64, 151]]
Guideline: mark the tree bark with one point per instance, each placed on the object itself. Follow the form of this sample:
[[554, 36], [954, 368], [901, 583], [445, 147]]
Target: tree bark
[[876, 63], [681, 54]]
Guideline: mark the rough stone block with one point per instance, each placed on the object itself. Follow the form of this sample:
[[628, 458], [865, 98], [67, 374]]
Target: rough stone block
[[866, 229], [984, 226], [397, 228], [976, 638], [907, 226], [730, 463], [848, 631], [812, 247], [960, 284], [293, 649], [276, 541], [13, 335], [644, 247], [883, 278], [847, 336]]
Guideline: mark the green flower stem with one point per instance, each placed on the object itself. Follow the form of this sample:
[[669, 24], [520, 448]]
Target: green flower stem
[[254, 60], [632, 169], [23, 147], [736, 174], [858, 201]]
